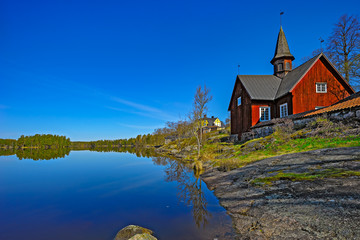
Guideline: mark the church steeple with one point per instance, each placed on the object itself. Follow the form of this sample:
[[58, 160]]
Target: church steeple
[[282, 59]]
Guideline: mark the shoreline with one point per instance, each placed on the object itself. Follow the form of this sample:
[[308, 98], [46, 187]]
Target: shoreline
[[307, 209], [324, 203]]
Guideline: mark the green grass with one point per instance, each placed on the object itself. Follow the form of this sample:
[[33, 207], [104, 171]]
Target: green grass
[[308, 176], [275, 147]]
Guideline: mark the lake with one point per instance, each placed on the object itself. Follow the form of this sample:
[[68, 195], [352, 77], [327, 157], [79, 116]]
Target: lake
[[92, 195]]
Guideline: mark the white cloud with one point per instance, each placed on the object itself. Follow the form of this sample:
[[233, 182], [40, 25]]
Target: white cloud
[[139, 126], [146, 111]]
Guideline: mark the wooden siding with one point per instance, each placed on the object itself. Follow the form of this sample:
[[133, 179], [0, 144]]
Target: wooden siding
[[240, 115], [285, 99], [255, 109], [304, 94]]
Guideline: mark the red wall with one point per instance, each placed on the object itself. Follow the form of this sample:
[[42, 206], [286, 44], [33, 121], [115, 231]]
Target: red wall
[[255, 110], [304, 94], [255, 113]]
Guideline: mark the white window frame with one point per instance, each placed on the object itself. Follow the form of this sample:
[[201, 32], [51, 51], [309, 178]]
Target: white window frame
[[239, 102], [281, 110], [318, 87], [269, 115]]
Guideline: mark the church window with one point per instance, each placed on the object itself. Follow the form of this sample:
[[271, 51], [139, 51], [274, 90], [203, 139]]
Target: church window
[[280, 67], [287, 66], [321, 87], [283, 110], [239, 101], [264, 114]]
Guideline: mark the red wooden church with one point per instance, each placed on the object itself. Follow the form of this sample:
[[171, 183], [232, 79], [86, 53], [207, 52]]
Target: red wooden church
[[312, 85]]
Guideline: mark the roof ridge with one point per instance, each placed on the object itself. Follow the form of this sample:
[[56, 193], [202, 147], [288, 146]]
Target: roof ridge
[[307, 61], [257, 75], [282, 80]]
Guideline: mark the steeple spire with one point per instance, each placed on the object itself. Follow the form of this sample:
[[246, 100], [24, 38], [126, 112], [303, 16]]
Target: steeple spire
[[282, 59], [282, 47]]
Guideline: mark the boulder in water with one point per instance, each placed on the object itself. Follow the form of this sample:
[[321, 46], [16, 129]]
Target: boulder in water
[[133, 232]]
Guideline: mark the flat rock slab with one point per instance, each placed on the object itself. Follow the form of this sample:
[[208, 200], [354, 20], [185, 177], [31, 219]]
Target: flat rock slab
[[320, 209]]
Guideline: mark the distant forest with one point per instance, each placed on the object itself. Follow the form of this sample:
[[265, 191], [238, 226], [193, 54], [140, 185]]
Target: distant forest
[[37, 141], [49, 141]]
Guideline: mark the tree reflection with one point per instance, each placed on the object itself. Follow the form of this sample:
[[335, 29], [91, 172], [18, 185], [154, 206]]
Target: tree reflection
[[36, 153], [189, 187], [138, 151], [188, 178], [47, 154]]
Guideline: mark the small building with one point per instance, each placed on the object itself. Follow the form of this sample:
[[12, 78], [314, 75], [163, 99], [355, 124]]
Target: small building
[[313, 85], [212, 124]]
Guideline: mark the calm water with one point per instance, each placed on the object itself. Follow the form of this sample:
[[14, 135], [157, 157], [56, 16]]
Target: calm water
[[92, 195]]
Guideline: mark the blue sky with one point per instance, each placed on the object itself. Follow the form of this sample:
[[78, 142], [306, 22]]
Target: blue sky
[[114, 69]]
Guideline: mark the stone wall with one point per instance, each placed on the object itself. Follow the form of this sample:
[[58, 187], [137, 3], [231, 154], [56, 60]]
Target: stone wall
[[347, 116]]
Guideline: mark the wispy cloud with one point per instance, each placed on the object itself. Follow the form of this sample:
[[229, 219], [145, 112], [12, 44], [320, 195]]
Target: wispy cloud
[[139, 126], [116, 109], [142, 110], [78, 88], [137, 105]]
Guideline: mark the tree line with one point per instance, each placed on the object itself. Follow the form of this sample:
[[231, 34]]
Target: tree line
[[174, 131], [36, 141]]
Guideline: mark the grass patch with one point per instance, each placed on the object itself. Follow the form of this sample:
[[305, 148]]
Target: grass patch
[[273, 148], [309, 176]]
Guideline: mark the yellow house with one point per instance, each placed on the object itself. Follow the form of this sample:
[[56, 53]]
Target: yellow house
[[212, 124]]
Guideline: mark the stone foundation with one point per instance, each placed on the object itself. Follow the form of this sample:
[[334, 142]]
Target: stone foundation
[[347, 116]]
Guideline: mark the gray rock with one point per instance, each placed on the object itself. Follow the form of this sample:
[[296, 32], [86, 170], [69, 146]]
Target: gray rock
[[189, 148], [326, 208], [349, 115], [174, 151], [358, 113], [143, 236]]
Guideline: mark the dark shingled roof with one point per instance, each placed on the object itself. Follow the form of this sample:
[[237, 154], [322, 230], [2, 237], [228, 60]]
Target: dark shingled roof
[[282, 47], [270, 87], [292, 78], [261, 87]]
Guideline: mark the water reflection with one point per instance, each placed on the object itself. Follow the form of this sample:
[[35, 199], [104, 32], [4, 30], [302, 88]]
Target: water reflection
[[189, 187], [36, 153], [189, 184], [139, 152], [48, 154]]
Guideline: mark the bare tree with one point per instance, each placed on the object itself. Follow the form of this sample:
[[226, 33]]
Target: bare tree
[[313, 54], [343, 48], [200, 106]]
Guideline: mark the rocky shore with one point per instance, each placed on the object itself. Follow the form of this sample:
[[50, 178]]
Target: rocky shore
[[265, 207]]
